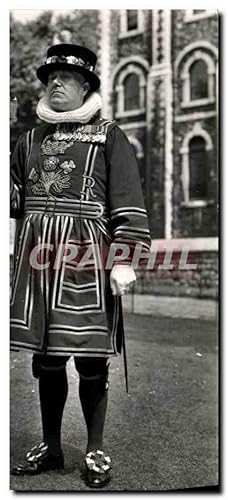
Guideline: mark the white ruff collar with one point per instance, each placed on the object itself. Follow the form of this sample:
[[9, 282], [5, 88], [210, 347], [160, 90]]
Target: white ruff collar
[[81, 115]]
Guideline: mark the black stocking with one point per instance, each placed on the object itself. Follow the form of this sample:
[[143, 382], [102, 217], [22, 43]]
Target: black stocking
[[53, 389], [94, 397]]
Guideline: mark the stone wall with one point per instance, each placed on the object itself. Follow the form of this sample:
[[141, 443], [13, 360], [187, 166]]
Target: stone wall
[[199, 283], [184, 32], [193, 221]]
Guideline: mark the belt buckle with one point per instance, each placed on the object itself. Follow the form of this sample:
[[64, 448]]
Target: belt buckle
[[100, 210]]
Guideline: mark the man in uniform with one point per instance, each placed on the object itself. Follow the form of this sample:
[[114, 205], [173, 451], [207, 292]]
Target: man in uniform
[[75, 188]]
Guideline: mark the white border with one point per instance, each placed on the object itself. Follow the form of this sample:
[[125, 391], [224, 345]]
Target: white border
[[17, 4]]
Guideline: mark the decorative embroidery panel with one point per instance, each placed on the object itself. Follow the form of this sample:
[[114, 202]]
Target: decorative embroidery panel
[[53, 178], [66, 135]]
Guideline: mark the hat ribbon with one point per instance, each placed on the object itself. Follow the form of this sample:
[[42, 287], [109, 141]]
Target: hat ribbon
[[77, 61]]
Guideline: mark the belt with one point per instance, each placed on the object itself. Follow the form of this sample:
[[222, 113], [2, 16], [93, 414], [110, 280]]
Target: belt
[[69, 206]]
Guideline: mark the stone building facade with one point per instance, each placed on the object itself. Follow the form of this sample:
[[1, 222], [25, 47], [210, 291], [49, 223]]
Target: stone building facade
[[159, 81], [158, 70]]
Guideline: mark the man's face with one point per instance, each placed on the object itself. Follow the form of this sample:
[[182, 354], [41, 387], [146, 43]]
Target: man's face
[[66, 90]]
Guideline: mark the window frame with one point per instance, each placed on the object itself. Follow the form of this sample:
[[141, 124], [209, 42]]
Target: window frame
[[121, 112], [137, 19], [185, 77], [190, 16], [124, 33], [198, 169], [197, 131]]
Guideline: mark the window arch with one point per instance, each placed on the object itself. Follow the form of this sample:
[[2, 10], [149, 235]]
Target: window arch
[[130, 90], [195, 166], [198, 76], [205, 55]]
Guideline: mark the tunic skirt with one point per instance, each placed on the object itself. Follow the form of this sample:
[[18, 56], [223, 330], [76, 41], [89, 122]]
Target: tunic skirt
[[75, 190]]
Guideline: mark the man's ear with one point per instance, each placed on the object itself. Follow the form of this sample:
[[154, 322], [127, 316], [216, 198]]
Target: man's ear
[[86, 88]]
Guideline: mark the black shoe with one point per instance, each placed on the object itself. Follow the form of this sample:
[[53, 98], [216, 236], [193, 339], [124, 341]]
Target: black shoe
[[38, 460], [96, 479], [98, 468]]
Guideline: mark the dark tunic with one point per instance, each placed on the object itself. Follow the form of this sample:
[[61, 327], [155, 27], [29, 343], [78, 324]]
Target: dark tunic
[[74, 190]]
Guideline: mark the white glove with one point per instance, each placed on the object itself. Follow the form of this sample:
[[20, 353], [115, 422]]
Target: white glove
[[120, 278]]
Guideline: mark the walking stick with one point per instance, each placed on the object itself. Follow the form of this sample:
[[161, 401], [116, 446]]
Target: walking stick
[[125, 362]]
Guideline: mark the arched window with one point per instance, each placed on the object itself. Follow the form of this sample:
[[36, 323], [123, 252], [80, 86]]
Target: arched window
[[199, 80], [132, 20], [198, 77], [198, 169], [129, 87], [195, 68], [131, 92], [196, 159]]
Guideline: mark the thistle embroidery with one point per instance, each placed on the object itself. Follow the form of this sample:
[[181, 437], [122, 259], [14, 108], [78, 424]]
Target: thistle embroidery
[[50, 164], [54, 177]]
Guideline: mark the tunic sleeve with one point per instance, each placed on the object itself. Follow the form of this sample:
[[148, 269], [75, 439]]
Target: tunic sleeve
[[127, 209], [17, 168]]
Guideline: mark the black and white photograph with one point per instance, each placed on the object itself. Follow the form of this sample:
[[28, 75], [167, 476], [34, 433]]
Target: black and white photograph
[[114, 250]]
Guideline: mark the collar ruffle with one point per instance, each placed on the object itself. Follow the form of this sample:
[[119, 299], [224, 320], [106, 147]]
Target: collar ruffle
[[81, 115]]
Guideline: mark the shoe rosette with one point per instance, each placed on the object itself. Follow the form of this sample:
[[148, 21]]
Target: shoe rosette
[[37, 452], [97, 461]]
